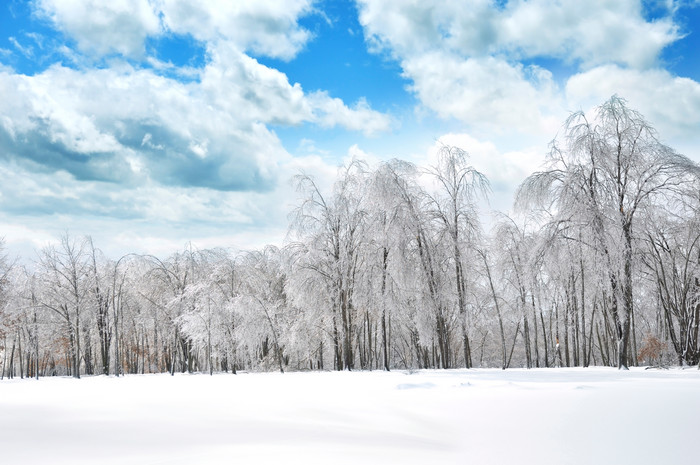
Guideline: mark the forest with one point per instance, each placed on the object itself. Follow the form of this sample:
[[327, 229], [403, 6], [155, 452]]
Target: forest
[[397, 268]]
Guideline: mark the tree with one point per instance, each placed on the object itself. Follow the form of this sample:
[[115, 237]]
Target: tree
[[263, 301], [423, 256], [388, 220], [165, 284], [603, 175], [333, 231], [673, 259], [454, 207], [66, 281]]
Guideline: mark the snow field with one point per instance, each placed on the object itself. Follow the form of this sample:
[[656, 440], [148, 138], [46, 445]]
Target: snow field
[[481, 416]]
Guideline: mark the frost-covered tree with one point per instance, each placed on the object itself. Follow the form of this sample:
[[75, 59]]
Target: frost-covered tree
[[454, 207], [331, 231], [604, 174], [388, 220], [66, 280], [262, 304], [672, 257], [164, 294], [424, 253]]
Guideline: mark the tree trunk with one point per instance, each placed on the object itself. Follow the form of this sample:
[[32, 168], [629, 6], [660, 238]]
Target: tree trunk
[[498, 314], [544, 340], [626, 317]]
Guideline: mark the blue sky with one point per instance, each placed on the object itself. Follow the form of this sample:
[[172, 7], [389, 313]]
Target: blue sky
[[148, 124]]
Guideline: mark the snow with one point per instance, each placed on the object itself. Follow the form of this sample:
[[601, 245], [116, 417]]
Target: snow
[[480, 416]]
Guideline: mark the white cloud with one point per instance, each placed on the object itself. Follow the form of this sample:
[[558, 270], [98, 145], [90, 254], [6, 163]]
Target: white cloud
[[165, 159], [100, 124], [670, 103], [266, 27], [40, 207], [149, 218], [475, 63], [331, 112], [591, 32], [27, 51], [126, 125], [98, 150], [484, 91], [99, 27], [239, 85]]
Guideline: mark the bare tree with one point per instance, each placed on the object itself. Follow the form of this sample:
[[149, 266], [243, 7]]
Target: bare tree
[[66, 279], [673, 258], [602, 175], [333, 226], [264, 300], [388, 220], [454, 206]]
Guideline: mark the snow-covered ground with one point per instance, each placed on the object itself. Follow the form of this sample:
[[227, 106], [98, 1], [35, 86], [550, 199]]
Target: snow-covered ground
[[545, 416]]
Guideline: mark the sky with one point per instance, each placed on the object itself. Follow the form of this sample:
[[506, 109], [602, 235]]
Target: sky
[[150, 124]]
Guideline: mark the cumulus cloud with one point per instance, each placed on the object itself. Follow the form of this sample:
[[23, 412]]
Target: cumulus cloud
[[98, 27], [161, 147], [593, 32], [239, 85], [478, 63], [331, 112], [129, 124], [126, 125], [486, 91], [264, 27], [670, 102], [156, 151], [150, 217]]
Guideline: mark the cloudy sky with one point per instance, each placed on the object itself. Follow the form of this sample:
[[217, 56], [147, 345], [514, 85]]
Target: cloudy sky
[[151, 123]]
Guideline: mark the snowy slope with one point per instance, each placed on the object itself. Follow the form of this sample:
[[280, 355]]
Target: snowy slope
[[546, 416]]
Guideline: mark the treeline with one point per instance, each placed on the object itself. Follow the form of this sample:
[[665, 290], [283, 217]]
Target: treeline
[[600, 265]]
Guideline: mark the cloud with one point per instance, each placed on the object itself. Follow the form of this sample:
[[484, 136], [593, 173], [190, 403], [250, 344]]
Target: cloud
[[670, 103], [482, 64], [488, 91], [161, 151], [101, 28], [265, 27], [27, 51], [592, 32], [93, 125], [127, 125], [131, 124], [330, 112], [598, 31], [238, 84], [149, 217]]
